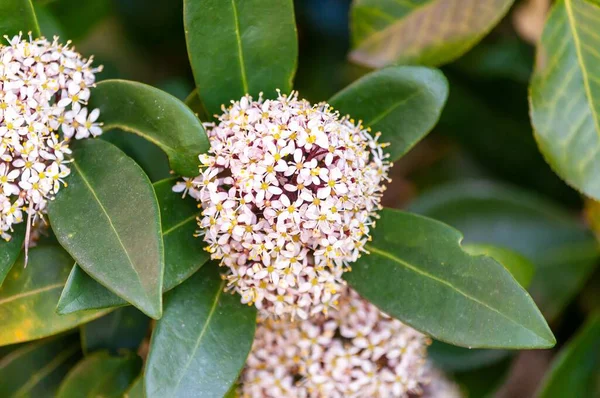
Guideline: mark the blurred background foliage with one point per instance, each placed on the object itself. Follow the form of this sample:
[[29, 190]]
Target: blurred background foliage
[[480, 170]]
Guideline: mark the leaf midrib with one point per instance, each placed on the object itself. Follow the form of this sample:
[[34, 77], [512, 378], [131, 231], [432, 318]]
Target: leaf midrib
[[85, 180], [584, 72], [201, 335], [443, 282], [181, 224], [239, 47], [395, 105], [31, 293]]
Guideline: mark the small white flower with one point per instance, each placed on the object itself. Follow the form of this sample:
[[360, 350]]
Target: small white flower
[[287, 191], [354, 351], [38, 82]]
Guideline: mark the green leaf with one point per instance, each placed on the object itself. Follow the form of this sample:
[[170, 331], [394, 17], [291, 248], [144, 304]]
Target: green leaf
[[122, 329], [518, 265], [202, 341], [240, 47], [28, 297], [136, 390], [576, 370], [17, 16], [100, 375], [184, 254], [565, 94], [563, 252], [418, 272], [404, 103], [9, 251], [108, 219], [432, 32], [155, 115], [194, 102], [450, 358], [36, 369]]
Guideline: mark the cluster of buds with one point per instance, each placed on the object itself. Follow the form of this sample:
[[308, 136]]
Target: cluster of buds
[[356, 351], [289, 192], [44, 88]]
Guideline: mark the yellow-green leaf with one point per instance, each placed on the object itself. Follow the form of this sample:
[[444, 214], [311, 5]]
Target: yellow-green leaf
[[426, 32], [29, 295], [565, 94]]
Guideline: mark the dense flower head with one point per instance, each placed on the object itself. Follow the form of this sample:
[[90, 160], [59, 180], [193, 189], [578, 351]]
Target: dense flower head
[[44, 87], [356, 351], [289, 193]]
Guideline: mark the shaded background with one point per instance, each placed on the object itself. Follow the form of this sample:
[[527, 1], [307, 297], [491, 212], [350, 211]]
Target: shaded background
[[484, 137]]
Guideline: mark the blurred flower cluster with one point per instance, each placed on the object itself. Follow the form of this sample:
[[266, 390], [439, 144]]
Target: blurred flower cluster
[[289, 193], [44, 88], [355, 351]]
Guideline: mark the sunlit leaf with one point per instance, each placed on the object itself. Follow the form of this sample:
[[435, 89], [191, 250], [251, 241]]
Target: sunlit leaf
[[184, 254], [565, 94], [403, 103], [576, 370], [202, 341], [108, 219], [563, 252], [36, 369], [239, 47], [136, 390], [155, 115], [29, 295], [418, 272], [100, 375], [17, 16], [426, 32]]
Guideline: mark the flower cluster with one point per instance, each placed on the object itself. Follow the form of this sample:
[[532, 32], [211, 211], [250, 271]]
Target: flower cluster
[[44, 87], [355, 351], [289, 193]]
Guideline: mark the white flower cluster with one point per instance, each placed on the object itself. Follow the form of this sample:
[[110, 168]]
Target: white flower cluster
[[289, 193], [356, 351], [44, 87]]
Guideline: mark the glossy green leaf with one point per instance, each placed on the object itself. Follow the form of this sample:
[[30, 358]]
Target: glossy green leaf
[[202, 341], [418, 272], [36, 369], [404, 103], [518, 265], [100, 375], [450, 358], [155, 115], [565, 94], [194, 102], [427, 32], [136, 390], [184, 254], [576, 370], [563, 252], [239, 47], [122, 329], [9, 250], [17, 16], [108, 219], [28, 297]]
